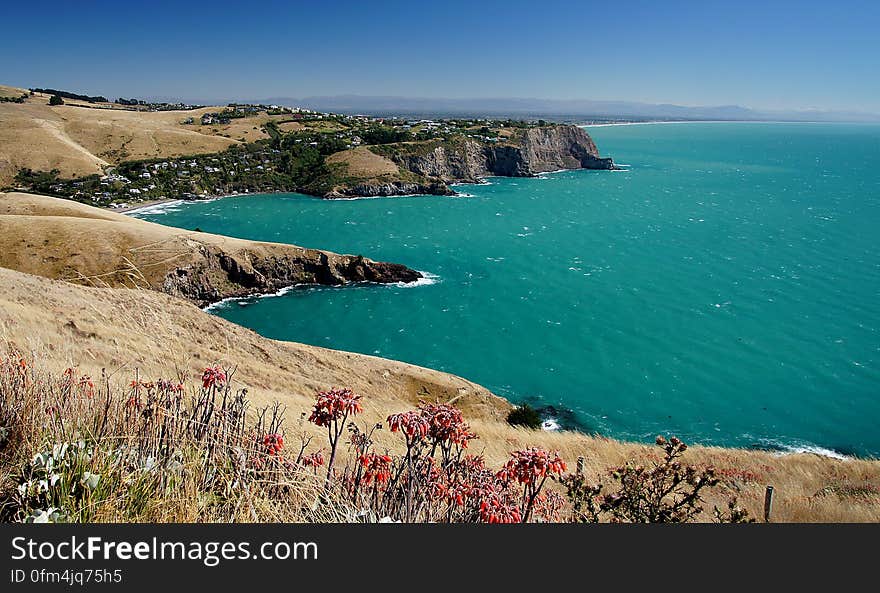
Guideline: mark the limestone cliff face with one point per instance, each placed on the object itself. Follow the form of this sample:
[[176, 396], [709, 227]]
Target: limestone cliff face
[[528, 152], [547, 149], [465, 161]]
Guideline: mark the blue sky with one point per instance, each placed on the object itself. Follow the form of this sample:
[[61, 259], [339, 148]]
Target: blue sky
[[770, 55]]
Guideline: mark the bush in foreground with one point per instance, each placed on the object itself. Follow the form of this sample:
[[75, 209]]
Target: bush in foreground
[[78, 449]]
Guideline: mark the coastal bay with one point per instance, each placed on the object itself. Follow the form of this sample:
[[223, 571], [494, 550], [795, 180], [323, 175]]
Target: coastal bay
[[720, 288]]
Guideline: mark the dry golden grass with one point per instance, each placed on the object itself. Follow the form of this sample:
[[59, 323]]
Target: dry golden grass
[[362, 162], [11, 91], [80, 140], [121, 330], [247, 129], [291, 126], [65, 240]]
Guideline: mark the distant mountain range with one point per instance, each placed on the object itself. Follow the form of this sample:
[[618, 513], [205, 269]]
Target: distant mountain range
[[573, 109]]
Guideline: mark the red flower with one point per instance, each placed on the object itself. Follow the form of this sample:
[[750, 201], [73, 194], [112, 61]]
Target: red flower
[[214, 376], [528, 466], [169, 386], [413, 424], [315, 459], [335, 404], [498, 509], [446, 424], [86, 386], [376, 467], [273, 443]]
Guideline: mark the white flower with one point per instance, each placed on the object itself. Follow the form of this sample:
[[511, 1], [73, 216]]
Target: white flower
[[90, 480]]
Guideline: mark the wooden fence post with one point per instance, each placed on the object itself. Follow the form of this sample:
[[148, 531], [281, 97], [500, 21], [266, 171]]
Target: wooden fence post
[[768, 503]]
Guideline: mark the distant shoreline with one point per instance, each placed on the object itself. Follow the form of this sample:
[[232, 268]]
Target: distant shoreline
[[141, 205], [710, 121], [155, 203]]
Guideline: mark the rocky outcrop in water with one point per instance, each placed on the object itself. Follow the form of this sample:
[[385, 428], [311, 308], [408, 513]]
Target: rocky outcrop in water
[[218, 274], [396, 188]]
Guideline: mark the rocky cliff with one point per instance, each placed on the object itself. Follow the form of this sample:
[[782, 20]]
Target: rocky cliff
[[525, 153], [65, 240], [218, 274]]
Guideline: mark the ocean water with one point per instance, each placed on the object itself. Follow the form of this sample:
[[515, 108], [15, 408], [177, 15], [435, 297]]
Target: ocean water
[[724, 288]]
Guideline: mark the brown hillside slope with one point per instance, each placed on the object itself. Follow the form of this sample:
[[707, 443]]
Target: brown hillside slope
[[122, 330], [65, 240], [11, 91], [79, 140]]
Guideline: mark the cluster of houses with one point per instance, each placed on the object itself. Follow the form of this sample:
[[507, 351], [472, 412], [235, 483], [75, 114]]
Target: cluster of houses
[[188, 177], [237, 110]]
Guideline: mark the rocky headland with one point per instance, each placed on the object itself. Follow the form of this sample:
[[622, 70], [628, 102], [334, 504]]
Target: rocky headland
[[431, 167], [64, 240]]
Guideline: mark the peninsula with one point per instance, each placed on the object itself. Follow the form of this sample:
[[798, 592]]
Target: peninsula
[[119, 154]]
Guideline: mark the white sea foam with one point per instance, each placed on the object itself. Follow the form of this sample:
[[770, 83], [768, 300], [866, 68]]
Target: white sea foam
[[245, 300], [427, 279], [815, 450], [160, 208], [797, 446], [358, 198], [542, 174], [550, 423]]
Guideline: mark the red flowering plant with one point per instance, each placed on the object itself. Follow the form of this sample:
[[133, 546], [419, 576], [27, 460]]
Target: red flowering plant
[[74, 384], [432, 432], [173, 388], [331, 410], [377, 468], [447, 431], [531, 468], [313, 460], [497, 507], [470, 483], [370, 469], [414, 427], [273, 444], [214, 377]]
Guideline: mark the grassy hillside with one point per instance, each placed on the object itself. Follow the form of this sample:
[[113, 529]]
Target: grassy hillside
[[129, 332], [80, 139], [66, 240]]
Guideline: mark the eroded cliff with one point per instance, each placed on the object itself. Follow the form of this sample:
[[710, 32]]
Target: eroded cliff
[[64, 240], [429, 167]]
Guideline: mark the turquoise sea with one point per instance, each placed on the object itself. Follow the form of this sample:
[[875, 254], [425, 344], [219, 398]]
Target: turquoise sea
[[724, 288]]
